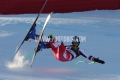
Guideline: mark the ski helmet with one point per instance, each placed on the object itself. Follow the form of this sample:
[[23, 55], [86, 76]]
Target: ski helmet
[[76, 39]]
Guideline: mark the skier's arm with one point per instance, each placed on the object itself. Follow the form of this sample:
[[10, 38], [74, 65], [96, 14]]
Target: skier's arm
[[83, 53]]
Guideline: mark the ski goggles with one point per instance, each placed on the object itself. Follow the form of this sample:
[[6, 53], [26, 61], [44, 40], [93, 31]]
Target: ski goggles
[[76, 40]]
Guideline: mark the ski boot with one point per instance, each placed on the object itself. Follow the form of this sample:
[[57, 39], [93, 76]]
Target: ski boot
[[28, 36]]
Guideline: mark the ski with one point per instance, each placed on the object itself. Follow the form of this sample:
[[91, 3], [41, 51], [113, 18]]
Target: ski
[[40, 37], [33, 25]]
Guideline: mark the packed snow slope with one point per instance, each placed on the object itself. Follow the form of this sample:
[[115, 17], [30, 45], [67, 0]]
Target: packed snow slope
[[101, 30]]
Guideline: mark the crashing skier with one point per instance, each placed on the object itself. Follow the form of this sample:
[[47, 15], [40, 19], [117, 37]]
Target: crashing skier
[[61, 52]]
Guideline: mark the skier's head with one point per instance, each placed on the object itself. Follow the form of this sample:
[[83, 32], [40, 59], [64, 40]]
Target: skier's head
[[75, 41]]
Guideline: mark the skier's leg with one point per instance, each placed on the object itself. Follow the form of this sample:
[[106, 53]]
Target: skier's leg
[[37, 37], [60, 51], [43, 45], [32, 34]]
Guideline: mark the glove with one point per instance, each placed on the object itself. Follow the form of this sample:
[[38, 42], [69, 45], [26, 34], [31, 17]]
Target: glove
[[99, 61], [52, 39], [50, 36]]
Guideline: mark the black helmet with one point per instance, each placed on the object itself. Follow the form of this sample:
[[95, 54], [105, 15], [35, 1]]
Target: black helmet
[[76, 39]]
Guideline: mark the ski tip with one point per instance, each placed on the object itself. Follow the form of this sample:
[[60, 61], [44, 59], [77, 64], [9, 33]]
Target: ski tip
[[51, 13]]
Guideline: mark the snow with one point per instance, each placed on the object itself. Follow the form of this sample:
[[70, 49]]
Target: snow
[[102, 32]]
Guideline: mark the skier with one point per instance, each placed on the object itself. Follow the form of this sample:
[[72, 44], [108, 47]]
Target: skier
[[61, 52]]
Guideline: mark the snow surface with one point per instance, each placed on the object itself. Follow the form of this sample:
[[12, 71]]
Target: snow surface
[[102, 31]]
